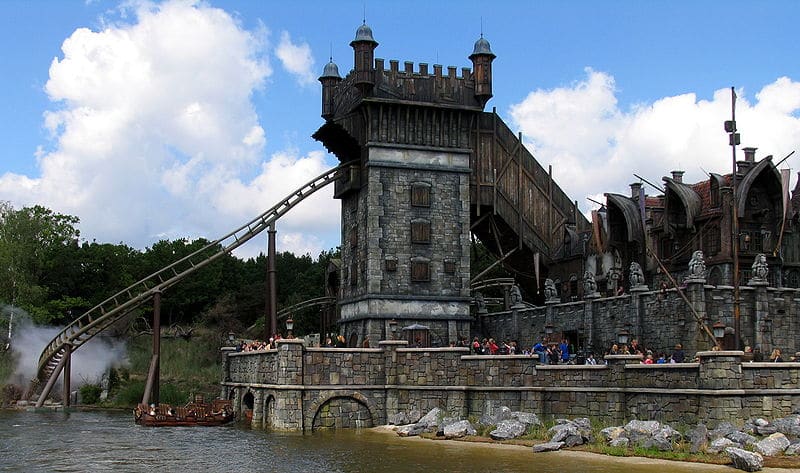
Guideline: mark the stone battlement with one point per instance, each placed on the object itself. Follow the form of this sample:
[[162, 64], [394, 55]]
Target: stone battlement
[[300, 388]]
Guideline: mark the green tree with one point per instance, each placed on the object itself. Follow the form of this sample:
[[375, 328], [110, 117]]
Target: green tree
[[30, 239]]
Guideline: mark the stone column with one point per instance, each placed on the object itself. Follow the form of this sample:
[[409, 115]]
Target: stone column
[[617, 407], [720, 371], [289, 406], [258, 410], [588, 320], [391, 402], [761, 316], [696, 293], [636, 310]]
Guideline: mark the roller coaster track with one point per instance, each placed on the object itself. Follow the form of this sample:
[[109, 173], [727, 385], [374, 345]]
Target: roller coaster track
[[113, 309], [307, 304]]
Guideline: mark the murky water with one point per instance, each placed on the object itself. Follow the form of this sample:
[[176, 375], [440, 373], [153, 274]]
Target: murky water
[[110, 441]]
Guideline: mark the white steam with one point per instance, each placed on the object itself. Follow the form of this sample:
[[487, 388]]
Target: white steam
[[89, 362]]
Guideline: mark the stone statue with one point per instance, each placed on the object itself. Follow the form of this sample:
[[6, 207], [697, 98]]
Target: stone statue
[[550, 293], [480, 302], [516, 297], [589, 284], [697, 266], [636, 277], [612, 276], [760, 268]]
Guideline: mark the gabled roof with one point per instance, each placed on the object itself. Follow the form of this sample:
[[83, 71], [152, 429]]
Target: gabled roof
[[688, 197], [630, 211], [765, 165]]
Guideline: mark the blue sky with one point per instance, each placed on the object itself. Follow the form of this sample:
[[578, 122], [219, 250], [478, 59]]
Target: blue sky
[[172, 119]]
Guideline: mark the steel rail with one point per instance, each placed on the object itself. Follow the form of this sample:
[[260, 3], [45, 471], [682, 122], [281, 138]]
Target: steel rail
[[111, 310]]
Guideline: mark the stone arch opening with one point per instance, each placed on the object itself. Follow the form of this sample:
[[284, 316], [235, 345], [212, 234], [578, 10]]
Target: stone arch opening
[[269, 411], [248, 401], [342, 412]]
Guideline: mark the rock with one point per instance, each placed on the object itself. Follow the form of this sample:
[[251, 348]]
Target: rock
[[399, 418], [620, 442], [719, 445], [431, 419], [507, 429], [639, 431], [502, 413], [444, 423], [698, 438], [793, 449], [741, 438], [789, 426], [571, 434], [766, 430], [659, 442], [773, 445], [410, 430], [613, 433], [760, 422], [669, 433], [723, 429], [744, 460], [459, 429], [547, 447], [414, 416], [526, 418]]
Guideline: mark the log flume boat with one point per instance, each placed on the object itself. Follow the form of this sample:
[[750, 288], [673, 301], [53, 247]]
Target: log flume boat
[[197, 413]]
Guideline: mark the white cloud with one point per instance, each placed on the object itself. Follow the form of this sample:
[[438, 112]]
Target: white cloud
[[596, 147], [296, 58], [155, 134]]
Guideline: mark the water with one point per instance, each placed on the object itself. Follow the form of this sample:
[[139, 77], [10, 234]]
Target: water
[[109, 441]]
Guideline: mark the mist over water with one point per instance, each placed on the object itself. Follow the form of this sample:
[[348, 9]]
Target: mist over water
[[28, 340]]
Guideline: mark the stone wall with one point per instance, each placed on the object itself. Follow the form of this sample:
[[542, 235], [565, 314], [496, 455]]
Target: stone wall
[[300, 388], [770, 318]]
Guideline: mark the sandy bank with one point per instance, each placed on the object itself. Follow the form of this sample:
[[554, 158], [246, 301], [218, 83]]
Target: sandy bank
[[596, 458]]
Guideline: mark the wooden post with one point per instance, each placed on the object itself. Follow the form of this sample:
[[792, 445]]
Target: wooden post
[[67, 372]]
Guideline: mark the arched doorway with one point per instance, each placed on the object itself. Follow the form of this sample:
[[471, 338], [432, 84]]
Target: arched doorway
[[342, 412], [269, 411], [247, 406]]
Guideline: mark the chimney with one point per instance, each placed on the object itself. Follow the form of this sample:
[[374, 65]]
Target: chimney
[[749, 154], [635, 188], [677, 176]]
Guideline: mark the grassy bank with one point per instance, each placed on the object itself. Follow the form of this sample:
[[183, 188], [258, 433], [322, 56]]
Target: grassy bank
[[188, 367], [681, 450]]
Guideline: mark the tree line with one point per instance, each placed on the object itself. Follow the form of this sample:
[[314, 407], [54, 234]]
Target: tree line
[[48, 271]]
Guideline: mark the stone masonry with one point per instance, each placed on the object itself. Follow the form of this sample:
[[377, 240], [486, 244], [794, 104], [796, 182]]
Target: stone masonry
[[299, 388]]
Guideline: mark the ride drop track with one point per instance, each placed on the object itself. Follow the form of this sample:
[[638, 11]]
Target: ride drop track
[[111, 310]]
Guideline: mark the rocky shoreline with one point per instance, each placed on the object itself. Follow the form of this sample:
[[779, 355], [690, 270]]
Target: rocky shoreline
[[743, 447]]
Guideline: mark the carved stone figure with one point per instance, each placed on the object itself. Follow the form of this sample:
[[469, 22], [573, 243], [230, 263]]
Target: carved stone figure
[[613, 276], [589, 284], [760, 268], [697, 266], [550, 292], [636, 277], [480, 302], [516, 297]]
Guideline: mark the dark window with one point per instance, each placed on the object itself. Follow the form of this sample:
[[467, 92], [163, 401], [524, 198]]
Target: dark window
[[421, 194], [420, 231], [711, 245], [391, 264], [353, 237], [353, 273], [450, 267], [793, 278], [420, 271]]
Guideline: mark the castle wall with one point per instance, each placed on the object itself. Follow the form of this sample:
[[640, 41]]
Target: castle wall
[[770, 318], [298, 388]]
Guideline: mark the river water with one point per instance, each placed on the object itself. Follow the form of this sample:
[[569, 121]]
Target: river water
[[81, 441]]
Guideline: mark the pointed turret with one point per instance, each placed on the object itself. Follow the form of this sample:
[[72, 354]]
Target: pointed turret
[[364, 52], [330, 79], [482, 57]]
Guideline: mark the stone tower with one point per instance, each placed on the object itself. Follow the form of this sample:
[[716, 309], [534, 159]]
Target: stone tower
[[405, 202]]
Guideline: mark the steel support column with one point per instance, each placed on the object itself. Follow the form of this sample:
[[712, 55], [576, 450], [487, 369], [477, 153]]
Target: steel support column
[[272, 289], [67, 375], [156, 348]]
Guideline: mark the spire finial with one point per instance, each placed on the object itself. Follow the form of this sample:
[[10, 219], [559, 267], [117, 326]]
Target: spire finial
[[481, 26]]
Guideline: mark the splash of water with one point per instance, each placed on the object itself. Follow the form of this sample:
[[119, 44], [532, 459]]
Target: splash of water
[[89, 363]]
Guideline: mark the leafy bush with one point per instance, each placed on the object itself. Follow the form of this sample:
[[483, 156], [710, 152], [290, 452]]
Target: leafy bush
[[90, 393]]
